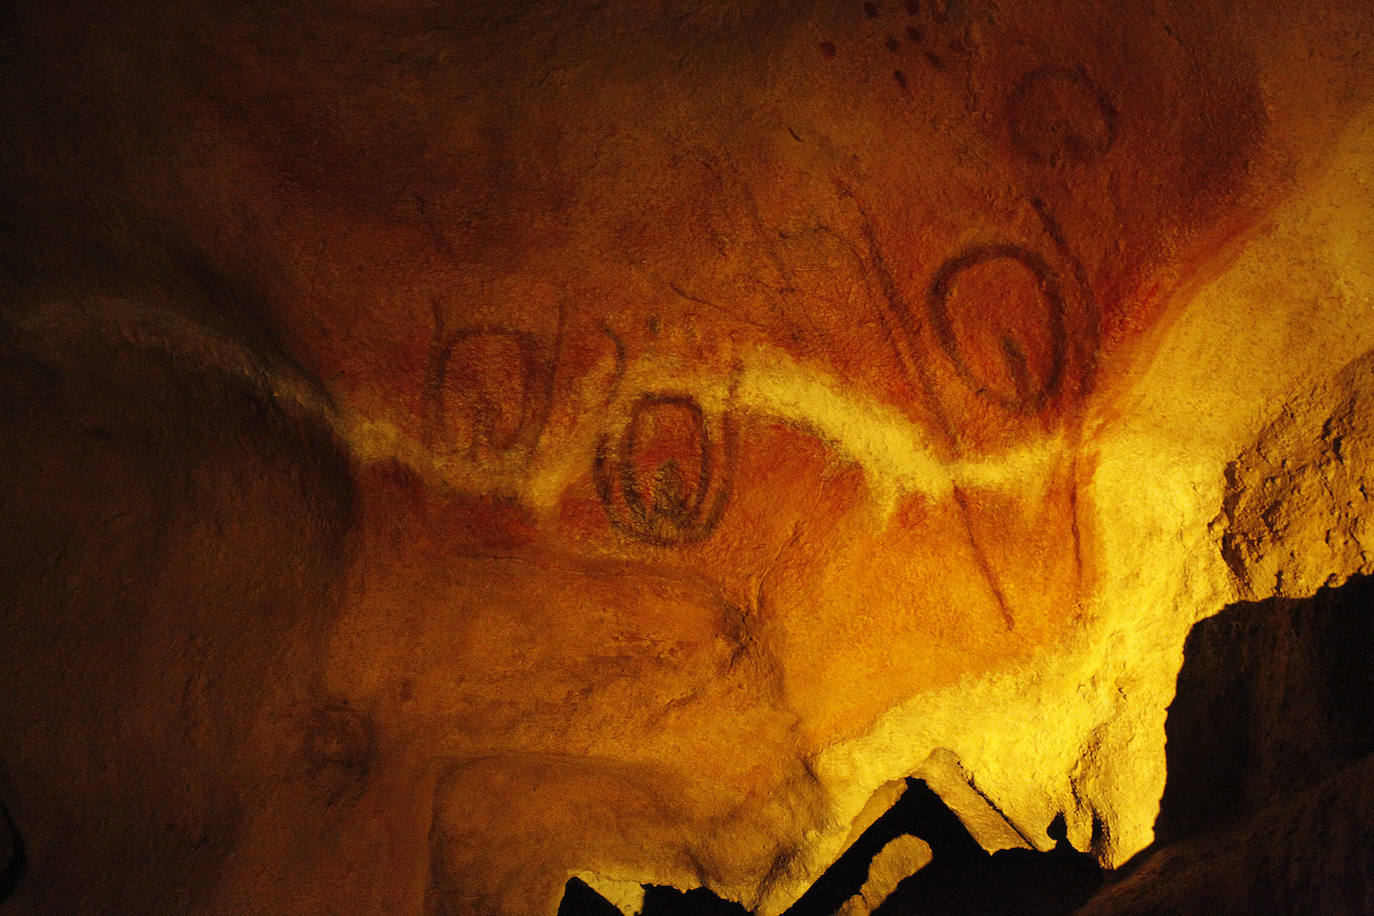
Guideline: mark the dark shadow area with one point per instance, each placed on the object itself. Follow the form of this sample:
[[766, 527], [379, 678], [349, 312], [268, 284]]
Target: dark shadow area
[[1270, 747], [964, 882], [918, 812], [12, 849], [1274, 696], [581, 900], [669, 901], [961, 878]]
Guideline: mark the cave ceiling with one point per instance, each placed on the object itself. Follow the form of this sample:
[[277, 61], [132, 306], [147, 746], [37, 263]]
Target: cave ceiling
[[453, 448]]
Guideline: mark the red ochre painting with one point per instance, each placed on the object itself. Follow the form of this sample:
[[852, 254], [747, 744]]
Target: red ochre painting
[[453, 449]]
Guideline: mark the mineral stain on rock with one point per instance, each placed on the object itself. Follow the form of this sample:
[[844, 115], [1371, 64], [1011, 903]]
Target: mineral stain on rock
[[446, 450]]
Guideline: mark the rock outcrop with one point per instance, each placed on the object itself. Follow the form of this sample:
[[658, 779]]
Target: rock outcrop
[[449, 450]]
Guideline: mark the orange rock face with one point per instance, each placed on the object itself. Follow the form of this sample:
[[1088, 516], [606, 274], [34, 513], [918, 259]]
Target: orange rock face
[[687, 387]]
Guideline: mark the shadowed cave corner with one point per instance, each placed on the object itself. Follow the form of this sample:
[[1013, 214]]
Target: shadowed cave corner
[[1269, 801], [1274, 696]]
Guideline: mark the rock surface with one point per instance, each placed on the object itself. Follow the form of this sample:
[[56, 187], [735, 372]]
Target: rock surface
[[453, 448], [899, 859], [1310, 854], [1297, 510]]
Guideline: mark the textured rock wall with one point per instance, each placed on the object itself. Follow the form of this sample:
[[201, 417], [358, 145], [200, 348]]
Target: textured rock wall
[[1296, 515], [453, 449], [1269, 751]]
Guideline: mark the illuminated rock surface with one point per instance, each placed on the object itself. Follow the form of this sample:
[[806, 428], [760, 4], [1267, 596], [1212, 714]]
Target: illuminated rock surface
[[899, 859], [452, 449]]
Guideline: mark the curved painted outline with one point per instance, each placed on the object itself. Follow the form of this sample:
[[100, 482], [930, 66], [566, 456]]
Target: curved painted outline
[[701, 518], [1051, 290], [1076, 76], [536, 371]]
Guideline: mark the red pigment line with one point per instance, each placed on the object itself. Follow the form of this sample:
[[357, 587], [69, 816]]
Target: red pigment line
[[896, 315], [982, 560], [892, 312]]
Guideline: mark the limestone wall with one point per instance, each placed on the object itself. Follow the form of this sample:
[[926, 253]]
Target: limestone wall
[[454, 448]]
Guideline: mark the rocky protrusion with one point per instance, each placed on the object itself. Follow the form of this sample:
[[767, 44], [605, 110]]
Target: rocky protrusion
[[1299, 501], [898, 860]]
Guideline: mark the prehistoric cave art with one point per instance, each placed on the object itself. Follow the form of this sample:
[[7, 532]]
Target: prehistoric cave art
[[474, 458], [1059, 114], [487, 389], [671, 509]]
